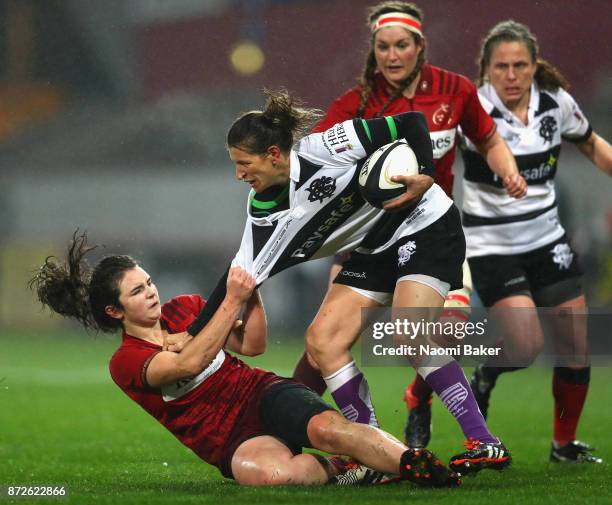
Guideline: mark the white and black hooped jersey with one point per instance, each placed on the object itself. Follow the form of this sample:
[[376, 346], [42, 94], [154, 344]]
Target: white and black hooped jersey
[[495, 223], [326, 213]]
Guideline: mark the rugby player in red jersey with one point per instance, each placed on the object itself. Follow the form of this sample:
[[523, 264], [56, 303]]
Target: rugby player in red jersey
[[395, 80], [250, 423]]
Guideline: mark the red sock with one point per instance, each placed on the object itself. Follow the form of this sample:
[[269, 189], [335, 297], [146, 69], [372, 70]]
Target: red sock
[[418, 391], [569, 400], [309, 376]]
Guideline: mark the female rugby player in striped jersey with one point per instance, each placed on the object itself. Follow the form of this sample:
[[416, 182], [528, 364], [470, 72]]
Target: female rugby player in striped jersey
[[396, 79], [518, 251], [249, 423], [305, 204]]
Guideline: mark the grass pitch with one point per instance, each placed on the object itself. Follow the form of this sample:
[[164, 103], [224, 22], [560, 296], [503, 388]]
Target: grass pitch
[[64, 422]]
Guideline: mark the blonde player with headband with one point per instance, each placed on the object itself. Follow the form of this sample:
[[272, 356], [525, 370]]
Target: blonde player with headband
[[396, 79]]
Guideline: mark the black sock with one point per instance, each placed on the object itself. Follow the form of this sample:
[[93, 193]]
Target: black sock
[[491, 373]]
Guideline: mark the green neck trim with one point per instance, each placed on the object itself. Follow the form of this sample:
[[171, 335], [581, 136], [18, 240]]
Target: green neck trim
[[271, 203]]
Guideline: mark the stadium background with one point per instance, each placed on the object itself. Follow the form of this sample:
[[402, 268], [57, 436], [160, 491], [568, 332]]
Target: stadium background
[[113, 116]]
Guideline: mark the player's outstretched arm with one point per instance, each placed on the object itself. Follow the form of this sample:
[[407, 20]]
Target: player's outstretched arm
[[249, 338], [168, 367]]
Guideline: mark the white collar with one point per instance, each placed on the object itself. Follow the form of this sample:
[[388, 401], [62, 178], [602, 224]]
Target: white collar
[[294, 166], [534, 101]]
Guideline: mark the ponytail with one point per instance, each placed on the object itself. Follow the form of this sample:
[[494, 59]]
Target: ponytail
[[548, 77], [74, 291], [282, 122]]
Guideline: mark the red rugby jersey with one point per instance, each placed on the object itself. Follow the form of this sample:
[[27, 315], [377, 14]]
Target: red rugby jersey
[[200, 412], [446, 99]]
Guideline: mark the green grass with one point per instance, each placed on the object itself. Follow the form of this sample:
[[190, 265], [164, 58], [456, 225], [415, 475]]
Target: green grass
[[63, 421]]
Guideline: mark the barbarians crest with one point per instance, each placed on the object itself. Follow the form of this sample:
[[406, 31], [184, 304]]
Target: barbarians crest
[[548, 126], [562, 256], [405, 252], [321, 188]]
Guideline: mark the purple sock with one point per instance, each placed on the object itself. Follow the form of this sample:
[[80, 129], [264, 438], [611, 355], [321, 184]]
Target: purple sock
[[350, 390], [452, 388]]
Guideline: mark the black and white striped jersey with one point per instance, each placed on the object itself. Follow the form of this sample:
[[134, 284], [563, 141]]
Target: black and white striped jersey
[[326, 213], [495, 223]]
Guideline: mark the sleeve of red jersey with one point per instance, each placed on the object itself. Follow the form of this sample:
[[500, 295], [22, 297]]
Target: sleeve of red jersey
[[475, 123], [342, 108], [180, 312], [128, 367]]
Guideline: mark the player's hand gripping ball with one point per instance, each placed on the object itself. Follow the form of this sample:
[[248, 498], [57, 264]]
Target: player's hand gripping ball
[[375, 184]]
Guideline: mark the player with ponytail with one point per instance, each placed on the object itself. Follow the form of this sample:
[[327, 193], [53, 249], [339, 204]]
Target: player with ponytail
[[397, 78]]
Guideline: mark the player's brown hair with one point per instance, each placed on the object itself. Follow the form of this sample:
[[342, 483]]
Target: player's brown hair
[[282, 122], [369, 70], [74, 290], [546, 76]]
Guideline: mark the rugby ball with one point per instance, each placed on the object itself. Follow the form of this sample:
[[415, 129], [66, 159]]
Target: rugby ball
[[375, 184]]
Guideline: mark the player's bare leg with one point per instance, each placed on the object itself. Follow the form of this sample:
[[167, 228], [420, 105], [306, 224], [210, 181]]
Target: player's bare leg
[[329, 339], [306, 370], [522, 341], [265, 461], [442, 373], [418, 394], [446, 378], [571, 379], [377, 449]]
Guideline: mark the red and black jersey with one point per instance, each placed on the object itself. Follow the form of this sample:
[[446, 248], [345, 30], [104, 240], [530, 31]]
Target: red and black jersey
[[447, 100], [201, 411]]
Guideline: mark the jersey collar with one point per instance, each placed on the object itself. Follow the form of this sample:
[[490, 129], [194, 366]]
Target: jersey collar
[[294, 167], [132, 340], [534, 101]]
